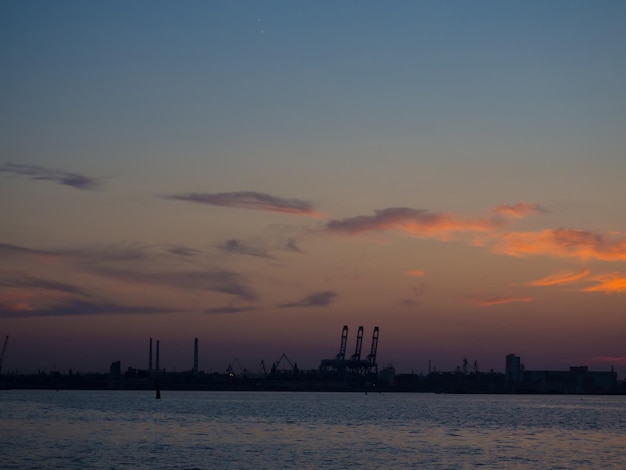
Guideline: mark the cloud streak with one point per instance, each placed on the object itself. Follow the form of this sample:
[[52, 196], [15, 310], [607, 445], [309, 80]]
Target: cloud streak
[[560, 278], [26, 281], [77, 308], [228, 310], [179, 250], [250, 200], [317, 299], [225, 282], [41, 173], [491, 301], [238, 247], [8, 249]]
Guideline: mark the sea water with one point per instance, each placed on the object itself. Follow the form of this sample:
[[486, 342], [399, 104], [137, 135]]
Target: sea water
[[269, 430]]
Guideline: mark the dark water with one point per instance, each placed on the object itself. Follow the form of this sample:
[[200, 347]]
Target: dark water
[[241, 430]]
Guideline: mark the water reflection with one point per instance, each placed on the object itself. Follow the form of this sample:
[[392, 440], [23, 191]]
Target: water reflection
[[309, 430]]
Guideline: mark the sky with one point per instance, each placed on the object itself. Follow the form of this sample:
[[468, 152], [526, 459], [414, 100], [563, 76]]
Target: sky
[[258, 174]]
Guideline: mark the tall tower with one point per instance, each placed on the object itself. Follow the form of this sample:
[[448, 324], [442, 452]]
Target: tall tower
[[157, 357], [150, 358], [195, 356], [514, 368]]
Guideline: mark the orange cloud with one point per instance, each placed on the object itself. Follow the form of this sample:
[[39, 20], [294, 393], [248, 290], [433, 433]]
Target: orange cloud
[[415, 273], [415, 222], [608, 284], [560, 278], [488, 302], [563, 243], [518, 210]]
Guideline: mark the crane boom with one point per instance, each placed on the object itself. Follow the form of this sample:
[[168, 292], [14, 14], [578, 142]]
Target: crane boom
[[344, 342], [371, 358], [359, 343]]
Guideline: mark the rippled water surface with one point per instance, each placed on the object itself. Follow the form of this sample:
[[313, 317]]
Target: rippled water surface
[[240, 430]]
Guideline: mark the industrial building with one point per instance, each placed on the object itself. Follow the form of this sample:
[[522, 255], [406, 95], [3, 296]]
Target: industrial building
[[577, 380]]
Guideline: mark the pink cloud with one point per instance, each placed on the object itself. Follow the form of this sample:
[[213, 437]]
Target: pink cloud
[[518, 210], [15, 302], [560, 278], [415, 273]]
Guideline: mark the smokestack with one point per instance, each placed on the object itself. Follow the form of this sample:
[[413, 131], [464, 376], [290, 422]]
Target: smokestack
[[157, 357], [195, 356], [150, 360]]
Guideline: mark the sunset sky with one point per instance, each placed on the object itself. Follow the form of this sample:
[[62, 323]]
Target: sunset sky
[[259, 174]]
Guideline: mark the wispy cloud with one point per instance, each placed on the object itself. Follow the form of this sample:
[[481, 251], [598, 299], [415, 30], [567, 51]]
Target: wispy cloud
[[608, 284], [292, 245], [250, 200], [415, 222], [317, 299], [25, 281], [560, 278], [77, 308], [491, 301], [226, 282], [8, 249], [563, 243], [183, 251], [240, 248], [113, 252], [221, 310], [36, 172], [518, 210]]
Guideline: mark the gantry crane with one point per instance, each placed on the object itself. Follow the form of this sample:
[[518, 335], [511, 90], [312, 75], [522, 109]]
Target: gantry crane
[[293, 366], [372, 367], [354, 365], [341, 355], [356, 357]]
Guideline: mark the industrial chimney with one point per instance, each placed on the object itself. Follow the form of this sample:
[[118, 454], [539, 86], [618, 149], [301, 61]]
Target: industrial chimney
[[157, 357], [195, 356], [150, 359]]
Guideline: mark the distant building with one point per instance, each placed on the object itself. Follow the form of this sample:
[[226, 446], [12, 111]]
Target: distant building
[[577, 380], [514, 369], [116, 369]]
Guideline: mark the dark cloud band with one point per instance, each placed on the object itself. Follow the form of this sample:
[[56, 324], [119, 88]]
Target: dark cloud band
[[36, 172], [249, 200]]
